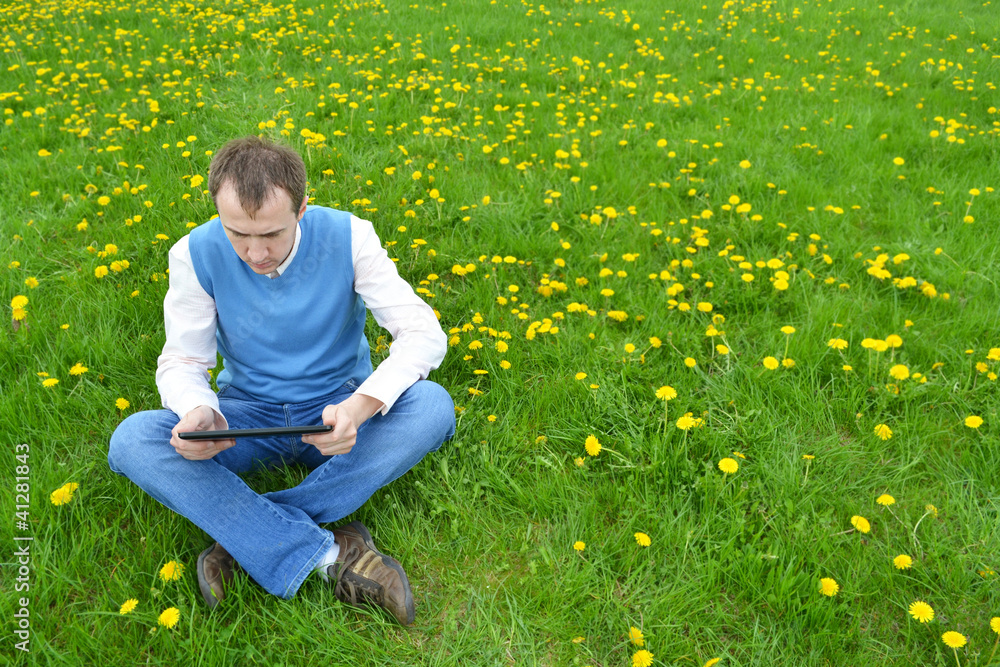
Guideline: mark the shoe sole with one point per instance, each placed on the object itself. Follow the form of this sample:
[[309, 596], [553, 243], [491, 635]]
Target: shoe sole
[[206, 590], [391, 562]]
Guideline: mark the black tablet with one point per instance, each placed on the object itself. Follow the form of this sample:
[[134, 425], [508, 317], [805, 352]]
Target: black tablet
[[253, 432]]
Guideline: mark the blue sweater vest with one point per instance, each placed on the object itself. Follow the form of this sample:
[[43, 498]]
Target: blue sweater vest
[[292, 338]]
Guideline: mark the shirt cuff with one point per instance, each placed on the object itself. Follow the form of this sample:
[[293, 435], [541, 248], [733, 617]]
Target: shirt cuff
[[192, 399], [382, 388]]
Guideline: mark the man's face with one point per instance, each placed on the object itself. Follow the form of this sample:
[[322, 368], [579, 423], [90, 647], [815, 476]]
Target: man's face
[[266, 240]]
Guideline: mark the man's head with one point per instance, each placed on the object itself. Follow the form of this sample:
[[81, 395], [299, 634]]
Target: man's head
[[259, 191]]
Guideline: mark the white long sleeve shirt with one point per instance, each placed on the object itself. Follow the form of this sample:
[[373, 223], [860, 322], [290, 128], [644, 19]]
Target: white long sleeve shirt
[[189, 316]]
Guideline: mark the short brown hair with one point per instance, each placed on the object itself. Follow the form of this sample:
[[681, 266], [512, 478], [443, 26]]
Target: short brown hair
[[254, 166]]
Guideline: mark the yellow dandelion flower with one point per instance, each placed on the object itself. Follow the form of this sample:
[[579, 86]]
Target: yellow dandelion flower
[[579, 546], [51, 382], [883, 431], [121, 403], [787, 330], [770, 363], [78, 369], [684, 423], [745, 164], [172, 571], [995, 624], [922, 611], [899, 372], [581, 376], [712, 662], [666, 393], [690, 362], [861, 524], [729, 466], [829, 587], [64, 493], [973, 421], [953, 639], [169, 617], [636, 637], [885, 500], [642, 539], [128, 606], [902, 562], [592, 446], [642, 658], [837, 343]]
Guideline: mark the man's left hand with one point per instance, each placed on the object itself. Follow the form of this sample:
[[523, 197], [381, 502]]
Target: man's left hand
[[345, 418]]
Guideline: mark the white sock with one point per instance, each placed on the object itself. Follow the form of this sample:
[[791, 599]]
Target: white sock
[[327, 560]]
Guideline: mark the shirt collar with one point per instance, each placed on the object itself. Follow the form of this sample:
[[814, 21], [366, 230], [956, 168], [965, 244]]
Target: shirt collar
[[291, 255]]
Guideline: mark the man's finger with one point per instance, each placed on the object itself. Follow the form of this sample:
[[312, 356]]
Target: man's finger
[[201, 449]]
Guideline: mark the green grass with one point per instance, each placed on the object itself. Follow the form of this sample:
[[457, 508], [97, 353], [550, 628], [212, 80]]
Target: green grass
[[572, 100]]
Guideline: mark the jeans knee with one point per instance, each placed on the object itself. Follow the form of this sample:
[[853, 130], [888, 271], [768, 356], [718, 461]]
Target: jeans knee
[[127, 448], [438, 409], [120, 447]]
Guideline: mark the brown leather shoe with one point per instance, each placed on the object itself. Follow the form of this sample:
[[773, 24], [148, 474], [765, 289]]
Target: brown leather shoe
[[215, 569], [366, 575]]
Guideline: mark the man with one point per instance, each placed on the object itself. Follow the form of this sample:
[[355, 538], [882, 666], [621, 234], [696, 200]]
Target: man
[[280, 290]]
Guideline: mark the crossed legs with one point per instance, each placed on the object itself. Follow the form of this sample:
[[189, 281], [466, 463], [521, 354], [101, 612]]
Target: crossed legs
[[275, 537]]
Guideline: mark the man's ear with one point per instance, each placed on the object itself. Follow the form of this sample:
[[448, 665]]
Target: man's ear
[[302, 208]]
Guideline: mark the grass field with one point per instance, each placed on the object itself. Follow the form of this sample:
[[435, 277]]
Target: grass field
[[665, 242]]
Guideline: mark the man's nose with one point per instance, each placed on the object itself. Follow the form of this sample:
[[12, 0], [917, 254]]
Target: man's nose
[[257, 250]]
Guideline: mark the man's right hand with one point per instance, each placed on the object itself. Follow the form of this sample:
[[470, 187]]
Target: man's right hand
[[202, 418]]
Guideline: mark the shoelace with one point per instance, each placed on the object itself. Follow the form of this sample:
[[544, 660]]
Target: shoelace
[[353, 588]]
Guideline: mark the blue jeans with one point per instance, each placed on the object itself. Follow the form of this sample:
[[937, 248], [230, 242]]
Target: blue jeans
[[275, 537]]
